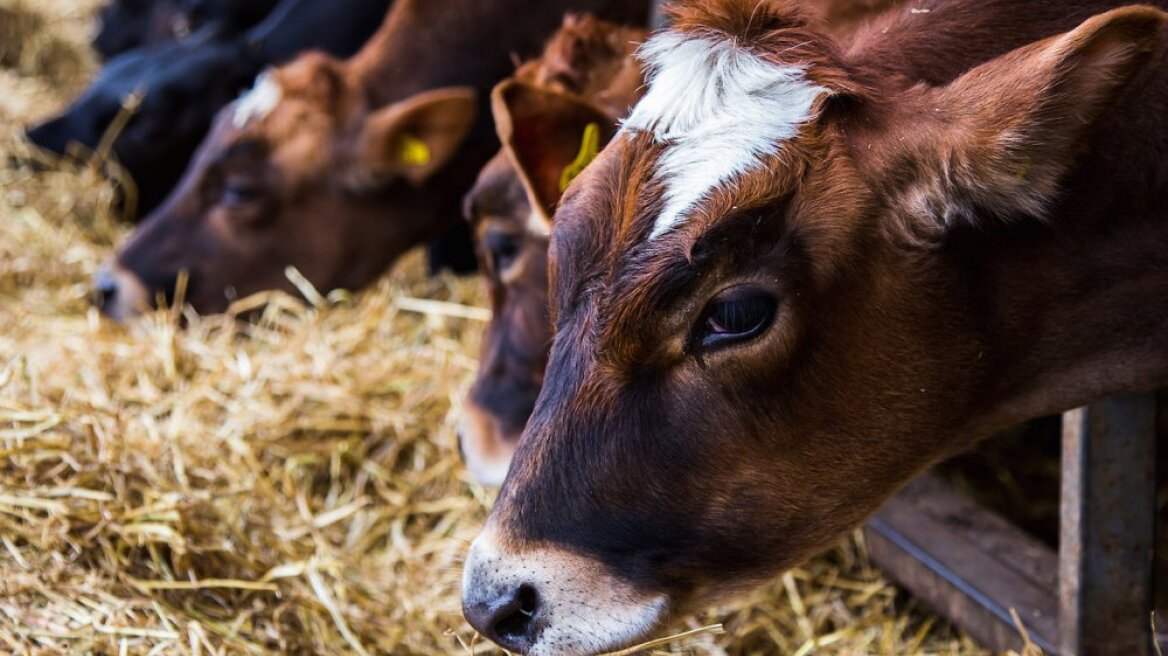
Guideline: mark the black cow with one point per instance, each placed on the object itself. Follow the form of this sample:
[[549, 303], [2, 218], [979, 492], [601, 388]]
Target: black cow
[[182, 85], [124, 25], [185, 83]]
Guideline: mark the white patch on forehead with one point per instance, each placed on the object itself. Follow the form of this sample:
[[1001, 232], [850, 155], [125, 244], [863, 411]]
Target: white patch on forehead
[[259, 102], [720, 109]]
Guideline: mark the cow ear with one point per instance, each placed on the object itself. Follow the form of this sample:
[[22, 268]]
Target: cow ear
[[416, 137], [1009, 130], [550, 137]]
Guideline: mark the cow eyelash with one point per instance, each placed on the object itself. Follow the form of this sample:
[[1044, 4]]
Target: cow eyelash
[[733, 317], [236, 194]]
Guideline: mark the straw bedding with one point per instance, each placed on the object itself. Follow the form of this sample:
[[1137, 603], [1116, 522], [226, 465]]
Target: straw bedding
[[289, 484]]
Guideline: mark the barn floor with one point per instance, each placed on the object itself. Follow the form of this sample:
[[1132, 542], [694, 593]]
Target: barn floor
[[290, 484]]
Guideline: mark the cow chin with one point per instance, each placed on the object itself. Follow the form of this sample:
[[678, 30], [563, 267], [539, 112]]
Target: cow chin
[[485, 450], [543, 600]]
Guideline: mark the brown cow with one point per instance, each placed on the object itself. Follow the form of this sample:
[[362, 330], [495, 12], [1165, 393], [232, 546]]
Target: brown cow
[[798, 277], [549, 116], [336, 168], [587, 75]]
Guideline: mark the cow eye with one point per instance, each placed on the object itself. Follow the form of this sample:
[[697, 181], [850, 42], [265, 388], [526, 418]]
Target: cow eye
[[239, 193], [735, 316], [502, 248]]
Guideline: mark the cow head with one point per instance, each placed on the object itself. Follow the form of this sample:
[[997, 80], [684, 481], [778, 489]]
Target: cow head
[[762, 325], [552, 118], [302, 173], [234, 16], [123, 25], [181, 86], [544, 133]]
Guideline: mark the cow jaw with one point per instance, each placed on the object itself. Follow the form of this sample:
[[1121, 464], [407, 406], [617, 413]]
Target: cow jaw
[[484, 448], [530, 600], [120, 294]]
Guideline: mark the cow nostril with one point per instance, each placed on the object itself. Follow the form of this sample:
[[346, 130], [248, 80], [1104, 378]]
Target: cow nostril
[[516, 627], [105, 290], [509, 621], [462, 446]]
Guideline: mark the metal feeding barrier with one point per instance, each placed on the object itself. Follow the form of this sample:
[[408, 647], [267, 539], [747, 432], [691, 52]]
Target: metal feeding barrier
[[1093, 597]]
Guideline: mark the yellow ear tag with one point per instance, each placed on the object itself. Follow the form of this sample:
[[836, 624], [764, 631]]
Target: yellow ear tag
[[589, 147], [413, 151], [1025, 168]]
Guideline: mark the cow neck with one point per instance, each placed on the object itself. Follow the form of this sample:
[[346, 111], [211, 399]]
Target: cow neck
[[1070, 315], [425, 44]]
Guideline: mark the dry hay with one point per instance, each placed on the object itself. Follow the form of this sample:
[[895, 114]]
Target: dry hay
[[289, 484], [31, 47]]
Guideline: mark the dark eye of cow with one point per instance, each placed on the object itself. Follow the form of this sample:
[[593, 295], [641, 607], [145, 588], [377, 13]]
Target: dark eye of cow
[[735, 316], [239, 193], [502, 248]]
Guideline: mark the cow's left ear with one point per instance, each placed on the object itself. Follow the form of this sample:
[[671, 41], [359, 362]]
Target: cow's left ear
[[550, 137], [1008, 131], [416, 137]]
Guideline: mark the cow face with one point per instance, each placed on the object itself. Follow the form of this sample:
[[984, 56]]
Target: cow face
[[513, 259], [123, 25], [761, 329], [551, 118], [180, 85], [548, 137], [233, 16], [299, 173]]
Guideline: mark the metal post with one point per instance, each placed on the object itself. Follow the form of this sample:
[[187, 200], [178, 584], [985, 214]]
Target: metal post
[[1107, 538]]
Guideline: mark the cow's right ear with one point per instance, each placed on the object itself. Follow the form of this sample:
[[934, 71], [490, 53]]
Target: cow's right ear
[[418, 136], [1007, 132], [550, 138]]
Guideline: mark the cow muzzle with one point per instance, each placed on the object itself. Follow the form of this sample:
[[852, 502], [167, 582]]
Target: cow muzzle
[[485, 448], [545, 600], [119, 294]]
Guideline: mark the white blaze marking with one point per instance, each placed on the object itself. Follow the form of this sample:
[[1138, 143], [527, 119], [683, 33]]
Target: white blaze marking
[[720, 109], [259, 102]]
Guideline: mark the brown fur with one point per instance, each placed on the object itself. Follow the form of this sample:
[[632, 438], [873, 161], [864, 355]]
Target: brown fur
[[332, 199], [956, 243], [587, 70], [587, 65]]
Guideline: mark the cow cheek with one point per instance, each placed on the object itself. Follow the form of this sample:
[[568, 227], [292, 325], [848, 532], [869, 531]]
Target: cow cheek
[[223, 231]]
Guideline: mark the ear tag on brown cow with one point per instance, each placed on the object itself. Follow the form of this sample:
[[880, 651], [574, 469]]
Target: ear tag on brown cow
[[589, 148], [413, 151], [1025, 168]]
